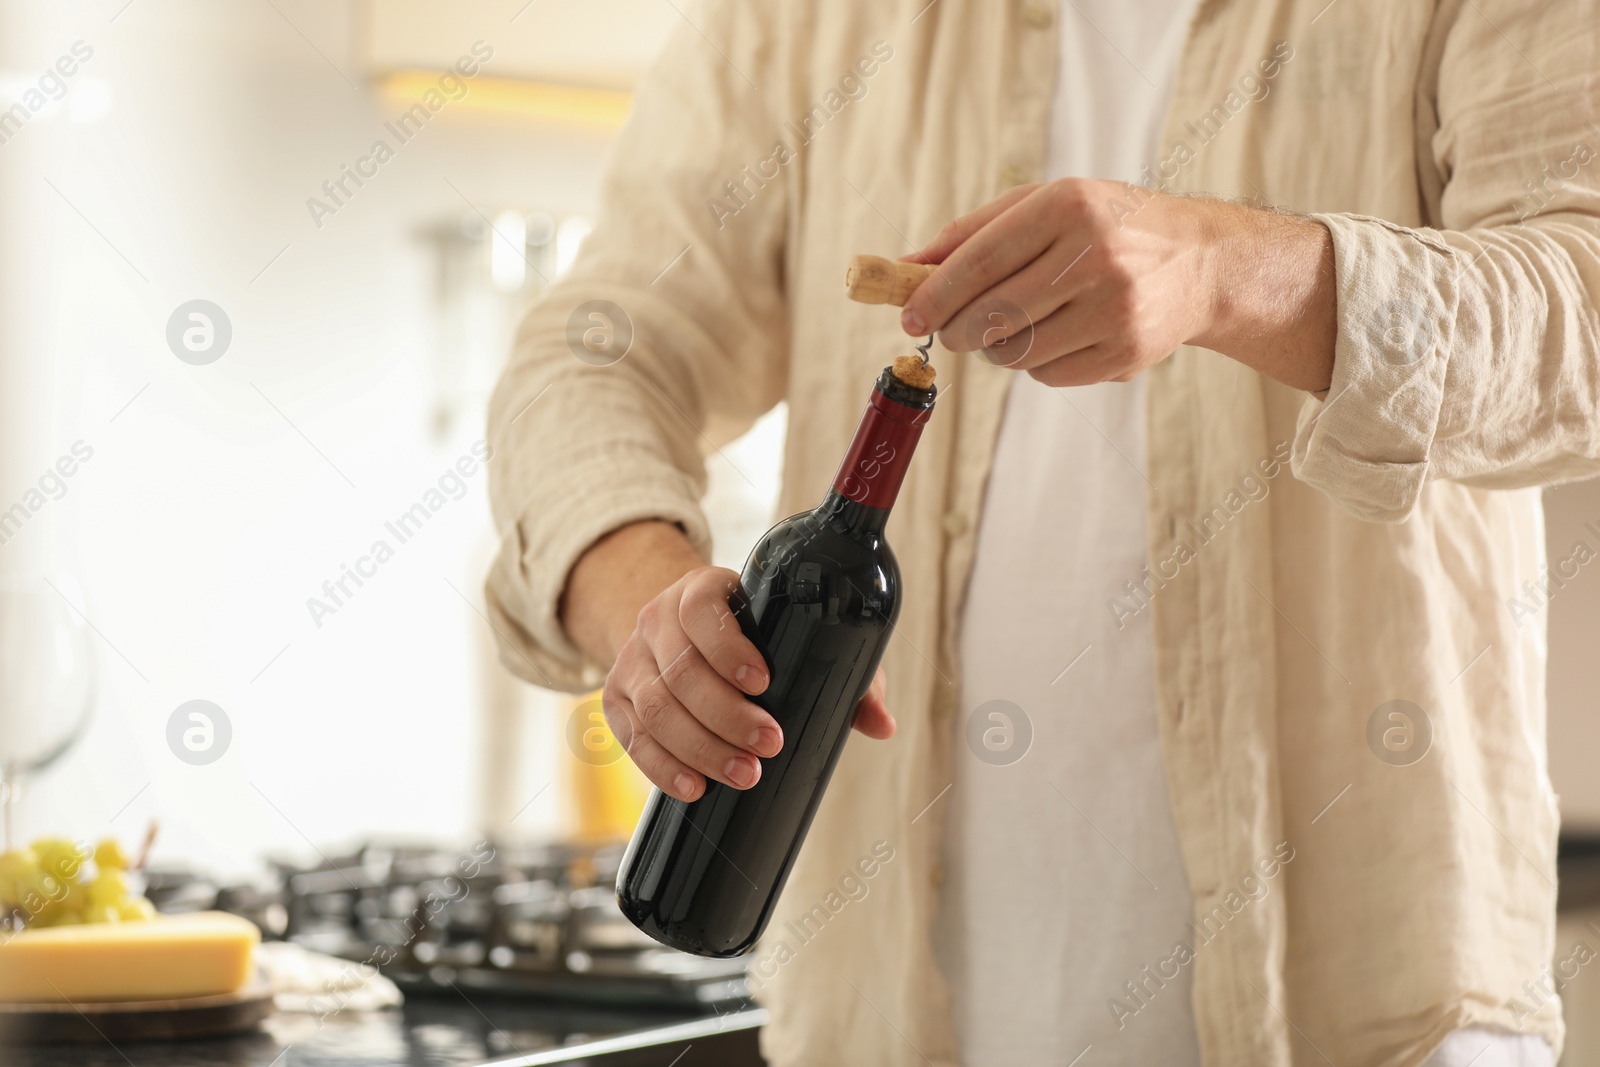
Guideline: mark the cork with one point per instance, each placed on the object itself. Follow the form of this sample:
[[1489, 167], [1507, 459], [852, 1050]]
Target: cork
[[912, 371], [875, 280]]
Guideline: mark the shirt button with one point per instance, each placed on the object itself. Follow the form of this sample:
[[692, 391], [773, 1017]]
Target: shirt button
[[936, 876], [955, 523], [1038, 16], [944, 702], [1011, 174]]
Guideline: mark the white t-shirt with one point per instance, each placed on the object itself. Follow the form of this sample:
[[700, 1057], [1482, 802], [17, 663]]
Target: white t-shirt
[[1064, 877], [1065, 891]]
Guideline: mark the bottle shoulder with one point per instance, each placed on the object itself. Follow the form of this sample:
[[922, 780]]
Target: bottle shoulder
[[810, 558], [820, 535]]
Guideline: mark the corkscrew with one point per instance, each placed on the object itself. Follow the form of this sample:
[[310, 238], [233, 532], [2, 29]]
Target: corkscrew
[[876, 280]]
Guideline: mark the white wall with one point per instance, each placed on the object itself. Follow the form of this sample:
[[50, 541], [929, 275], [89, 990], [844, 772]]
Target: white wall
[[596, 43]]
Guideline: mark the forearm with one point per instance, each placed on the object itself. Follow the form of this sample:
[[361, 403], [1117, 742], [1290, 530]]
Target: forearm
[[1273, 290], [616, 578]]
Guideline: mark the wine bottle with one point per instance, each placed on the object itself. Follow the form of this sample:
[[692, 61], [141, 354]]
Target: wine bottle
[[818, 597]]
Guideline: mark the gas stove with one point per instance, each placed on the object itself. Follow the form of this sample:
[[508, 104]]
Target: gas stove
[[533, 920]]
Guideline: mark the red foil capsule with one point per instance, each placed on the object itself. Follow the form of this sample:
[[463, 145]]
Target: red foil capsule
[[879, 454]]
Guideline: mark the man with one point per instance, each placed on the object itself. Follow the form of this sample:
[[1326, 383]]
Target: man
[[1283, 799]]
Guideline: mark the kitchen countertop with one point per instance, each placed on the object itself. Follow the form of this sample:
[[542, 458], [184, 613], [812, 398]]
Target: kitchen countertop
[[444, 1029], [441, 1031]]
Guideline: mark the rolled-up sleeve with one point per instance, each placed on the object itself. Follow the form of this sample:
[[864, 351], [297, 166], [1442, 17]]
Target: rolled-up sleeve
[[666, 338], [1472, 352]]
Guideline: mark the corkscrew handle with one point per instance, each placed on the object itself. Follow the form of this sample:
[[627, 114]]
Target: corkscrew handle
[[875, 280]]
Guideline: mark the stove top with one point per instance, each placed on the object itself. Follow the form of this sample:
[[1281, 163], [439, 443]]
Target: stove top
[[539, 921]]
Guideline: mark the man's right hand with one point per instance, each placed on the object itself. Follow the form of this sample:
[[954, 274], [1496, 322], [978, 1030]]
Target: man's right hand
[[677, 693]]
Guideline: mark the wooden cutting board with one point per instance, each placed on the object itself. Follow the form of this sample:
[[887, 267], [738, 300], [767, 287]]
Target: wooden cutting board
[[141, 1020]]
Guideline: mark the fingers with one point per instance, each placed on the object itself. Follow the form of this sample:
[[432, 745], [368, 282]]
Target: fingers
[[659, 718], [872, 713], [707, 655], [1097, 319], [1075, 347], [665, 771], [956, 232], [708, 697], [677, 697], [1088, 366], [1006, 244], [709, 623], [680, 718], [1001, 321]]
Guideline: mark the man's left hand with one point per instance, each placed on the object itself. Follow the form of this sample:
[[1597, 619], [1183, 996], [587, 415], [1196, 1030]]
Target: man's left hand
[[1080, 281]]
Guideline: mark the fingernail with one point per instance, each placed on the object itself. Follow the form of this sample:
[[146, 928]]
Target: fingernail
[[912, 323], [741, 772], [751, 679], [684, 784], [767, 740]]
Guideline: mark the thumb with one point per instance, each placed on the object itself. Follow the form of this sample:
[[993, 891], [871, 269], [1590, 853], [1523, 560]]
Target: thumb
[[872, 713]]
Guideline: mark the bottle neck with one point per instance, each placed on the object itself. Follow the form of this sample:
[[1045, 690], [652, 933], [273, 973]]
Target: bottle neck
[[875, 465]]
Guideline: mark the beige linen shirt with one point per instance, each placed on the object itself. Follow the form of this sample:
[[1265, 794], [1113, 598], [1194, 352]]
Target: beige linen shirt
[[1450, 147]]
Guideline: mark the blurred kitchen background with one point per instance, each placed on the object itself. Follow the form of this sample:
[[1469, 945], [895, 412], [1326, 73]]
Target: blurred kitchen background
[[175, 164]]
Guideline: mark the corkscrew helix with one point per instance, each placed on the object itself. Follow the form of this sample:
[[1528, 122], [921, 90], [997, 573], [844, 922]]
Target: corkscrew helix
[[875, 280]]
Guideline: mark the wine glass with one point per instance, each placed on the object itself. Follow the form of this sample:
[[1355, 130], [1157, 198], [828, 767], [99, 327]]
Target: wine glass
[[46, 680]]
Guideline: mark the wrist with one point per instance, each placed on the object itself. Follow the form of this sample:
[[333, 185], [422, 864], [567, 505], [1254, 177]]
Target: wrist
[[1268, 293], [616, 577], [1226, 242]]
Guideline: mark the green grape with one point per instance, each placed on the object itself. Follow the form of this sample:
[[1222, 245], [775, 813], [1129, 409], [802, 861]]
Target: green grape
[[57, 903], [60, 857], [110, 887], [108, 855], [19, 873], [31, 895], [74, 907], [48, 883], [136, 909], [51, 913], [102, 913]]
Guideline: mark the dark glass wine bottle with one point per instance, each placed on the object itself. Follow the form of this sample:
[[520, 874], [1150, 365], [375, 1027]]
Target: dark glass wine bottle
[[818, 597]]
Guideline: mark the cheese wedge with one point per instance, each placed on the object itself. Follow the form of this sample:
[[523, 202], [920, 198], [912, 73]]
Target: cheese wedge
[[170, 956]]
